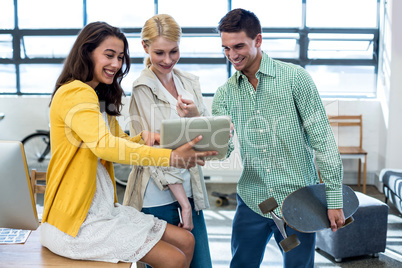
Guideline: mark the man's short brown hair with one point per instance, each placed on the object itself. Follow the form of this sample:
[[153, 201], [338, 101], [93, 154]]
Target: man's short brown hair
[[238, 20]]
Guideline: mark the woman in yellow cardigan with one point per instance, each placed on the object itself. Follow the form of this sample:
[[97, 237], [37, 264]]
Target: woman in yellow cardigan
[[82, 218]]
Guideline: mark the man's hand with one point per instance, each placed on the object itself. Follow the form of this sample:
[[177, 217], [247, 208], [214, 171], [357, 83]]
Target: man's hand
[[150, 138], [186, 157], [336, 218]]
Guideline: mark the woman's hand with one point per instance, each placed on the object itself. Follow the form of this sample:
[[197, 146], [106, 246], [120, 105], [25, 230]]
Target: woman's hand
[[185, 210], [187, 216], [150, 138], [186, 108], [186, 157]]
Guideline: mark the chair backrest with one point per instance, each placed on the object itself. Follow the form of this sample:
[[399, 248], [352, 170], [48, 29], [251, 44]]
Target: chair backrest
[[348, 121], [38, 182]]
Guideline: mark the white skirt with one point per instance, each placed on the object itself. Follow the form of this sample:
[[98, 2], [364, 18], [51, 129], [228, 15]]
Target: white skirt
[[111, 232]]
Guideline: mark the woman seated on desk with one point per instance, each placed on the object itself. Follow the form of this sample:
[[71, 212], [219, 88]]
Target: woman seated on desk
[[81, 217]]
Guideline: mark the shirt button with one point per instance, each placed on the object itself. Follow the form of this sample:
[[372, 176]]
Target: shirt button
[[268, 170], [258, 111], [271, 190], [261, 131], [265, 150]]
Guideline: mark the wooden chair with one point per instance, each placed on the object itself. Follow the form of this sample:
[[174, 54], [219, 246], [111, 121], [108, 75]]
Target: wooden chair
[[38, 182], [352, 152]]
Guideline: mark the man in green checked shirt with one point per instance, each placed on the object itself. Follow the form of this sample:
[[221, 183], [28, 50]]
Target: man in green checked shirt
[[281, 125]]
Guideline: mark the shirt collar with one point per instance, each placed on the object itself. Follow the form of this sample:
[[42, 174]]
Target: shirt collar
[[267, 67]]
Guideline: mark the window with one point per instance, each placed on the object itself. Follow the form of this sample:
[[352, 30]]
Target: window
[[39, 78], [337, 80], [341, 46], [7, 78], [274, 14], [340, 54], [205, 13], [45, 14], [353, 13], [281, 45], [200, 47], [120, 13], [211, 75], [46, 46], [7, 14], [6, 46]]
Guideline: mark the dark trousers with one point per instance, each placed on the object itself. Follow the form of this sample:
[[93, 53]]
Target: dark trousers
[[251, 234], [202, 256]]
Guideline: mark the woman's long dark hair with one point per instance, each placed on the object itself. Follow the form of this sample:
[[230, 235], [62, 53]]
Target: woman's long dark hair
[[79, 66]]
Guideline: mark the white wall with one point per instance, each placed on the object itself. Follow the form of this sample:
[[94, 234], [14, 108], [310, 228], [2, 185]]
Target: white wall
[[23, 115], [393, 137]]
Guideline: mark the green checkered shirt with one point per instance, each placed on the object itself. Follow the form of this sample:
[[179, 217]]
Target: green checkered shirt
[[281, 127]]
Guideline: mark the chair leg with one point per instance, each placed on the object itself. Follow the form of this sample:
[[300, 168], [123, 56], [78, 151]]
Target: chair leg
[[386, 198], [364, 174], [359, 172]]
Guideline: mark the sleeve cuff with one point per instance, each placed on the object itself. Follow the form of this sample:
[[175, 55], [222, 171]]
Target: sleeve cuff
[[138, 139], [334, 199], [163, 179]]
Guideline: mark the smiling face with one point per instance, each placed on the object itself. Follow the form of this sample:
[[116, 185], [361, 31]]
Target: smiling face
[[243, 52], [164, 54], [107, 59]]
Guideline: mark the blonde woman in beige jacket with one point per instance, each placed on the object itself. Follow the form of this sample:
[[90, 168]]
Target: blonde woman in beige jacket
[[164, 92]]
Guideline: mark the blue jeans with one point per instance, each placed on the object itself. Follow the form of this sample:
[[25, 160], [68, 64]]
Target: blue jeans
[[251, 234], [169, 213]]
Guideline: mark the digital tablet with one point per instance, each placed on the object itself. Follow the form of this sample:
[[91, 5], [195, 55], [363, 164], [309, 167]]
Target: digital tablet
[[215, 131]]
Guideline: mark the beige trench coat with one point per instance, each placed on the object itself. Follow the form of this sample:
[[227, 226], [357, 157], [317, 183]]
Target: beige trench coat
[[148, 107]]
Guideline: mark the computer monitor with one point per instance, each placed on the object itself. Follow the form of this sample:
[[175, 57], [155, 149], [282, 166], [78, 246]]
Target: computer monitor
[[17, 204]]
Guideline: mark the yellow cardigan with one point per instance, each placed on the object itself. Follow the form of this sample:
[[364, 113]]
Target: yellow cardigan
[[79, 136]]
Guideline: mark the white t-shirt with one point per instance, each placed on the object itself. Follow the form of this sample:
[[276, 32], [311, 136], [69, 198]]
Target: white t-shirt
[[154, 197]]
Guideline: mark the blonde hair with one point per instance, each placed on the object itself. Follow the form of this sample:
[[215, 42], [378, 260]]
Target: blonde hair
[[160, 25]]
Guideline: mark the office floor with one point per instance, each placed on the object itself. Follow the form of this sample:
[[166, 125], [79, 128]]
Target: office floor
[[219, 221]]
